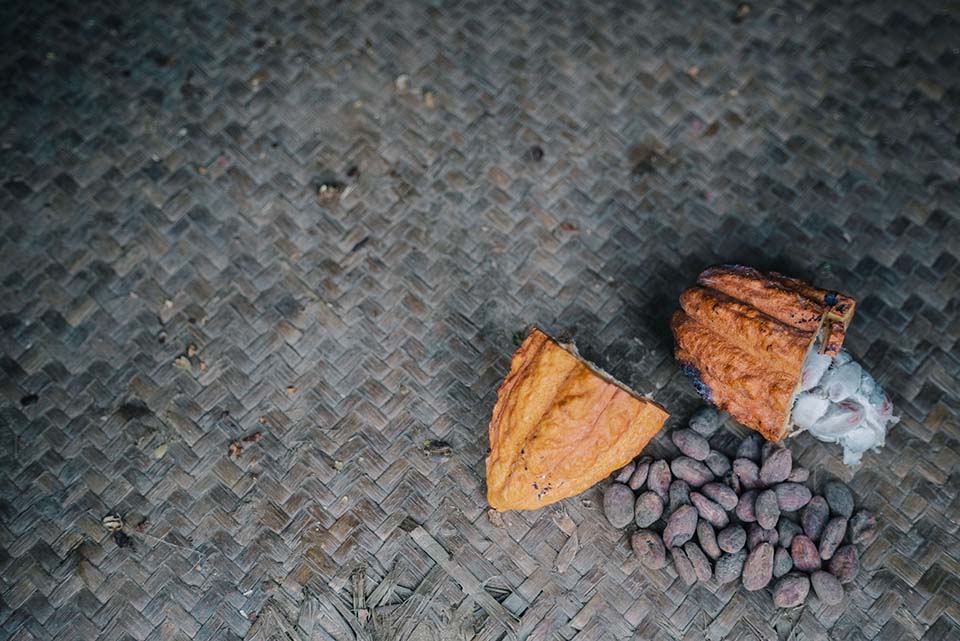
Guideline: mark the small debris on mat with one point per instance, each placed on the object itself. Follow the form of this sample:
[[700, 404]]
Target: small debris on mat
[[113, 522], [29, 399], [535, 153], [291, 390], [192, 350], [182, 362], [142, 526], [121, 539], [496, 518], [329, 191], [437, 448], [160, 451]]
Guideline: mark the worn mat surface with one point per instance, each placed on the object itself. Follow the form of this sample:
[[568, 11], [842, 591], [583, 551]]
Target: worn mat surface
[[351, 209]]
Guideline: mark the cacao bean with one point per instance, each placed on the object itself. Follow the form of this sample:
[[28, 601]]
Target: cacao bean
[[767, 510], [658, 479], [814, 517], [692, 471], [863, 527], [679, 494], [758, 568], [708, 539], [777, 467], [729, 567], [832, 537], [791, 591], [792, 496], [618, 504], [787, 529], [757, 535], [625, 472], [799, 475], [705, 421], [845, 564], [639, 476], [782, 563], [718, 463], [767, 449], [747, 472], [732, 539], [839, 498], [709, 510], [721, 494], [750, 447], [690, 444], [733, 482], [683, 566], [746, 506], [701, 565], [680, 526], [804, 553], [647, 509], [649, 549], [827, 587]]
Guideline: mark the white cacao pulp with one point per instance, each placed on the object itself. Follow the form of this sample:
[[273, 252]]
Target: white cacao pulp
[[839, 402]]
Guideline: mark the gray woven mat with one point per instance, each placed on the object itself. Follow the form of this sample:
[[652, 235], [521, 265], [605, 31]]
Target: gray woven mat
[[350, 209]]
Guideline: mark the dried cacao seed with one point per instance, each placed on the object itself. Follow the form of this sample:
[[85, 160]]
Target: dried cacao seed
[[832, 537], [658, 479], [709, 510], [845, 564], [729, 567], [679, 495], [649, 549], [705, 421], [747, 472], [863, 527], [767, 510], [746, 506], [799, 475], [692, 471], [839, 498], [683, 566], [625, 472], [718, 463], [701, 565], [791, 591], [758, 569], [782, 563], [787, 529], [792, 496], [750, 447], [690, 444], [777, 467], [757, 535], [827, 587], [639, 476], [708, 539], [680, 526], [804, 553], [618, 504], [732, 539], [647, 509], [721, 494], [814, 517]]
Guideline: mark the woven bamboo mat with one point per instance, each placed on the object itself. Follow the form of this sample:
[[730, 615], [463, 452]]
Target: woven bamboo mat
[[349, 210]]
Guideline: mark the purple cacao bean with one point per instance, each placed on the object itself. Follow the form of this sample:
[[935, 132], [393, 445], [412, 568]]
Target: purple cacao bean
[[767, 510], [618, 504], [791, 591], [680, 526], [804, 553], [758, 569]]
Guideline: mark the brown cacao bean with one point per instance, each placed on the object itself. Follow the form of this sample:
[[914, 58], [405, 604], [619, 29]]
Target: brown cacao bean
[[750, 447], [767, 510], [718, 463], [777, 467], [747, 472], [618, 504], [787, 529], [863, 528], [705, 421], [732, 539], [707, 537], [721, 494], [746, 506], [701, 565], [683, 566], [758, 568], [690, 444], [709, 510], [649, 549], [658, 479], [799, 475], [804, 553], [792, 496], [845, 564], [814, 517], [832, 537], [827, 587], [680, 526], [782, 563], [639, 476], [791, 591], [729, 567], [692, 471], [647, 509], [679, 495], [757, 535], [625, 472], [839, 498]]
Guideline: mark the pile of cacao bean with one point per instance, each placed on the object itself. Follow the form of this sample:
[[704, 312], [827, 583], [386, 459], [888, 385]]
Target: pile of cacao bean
[[753, 518]]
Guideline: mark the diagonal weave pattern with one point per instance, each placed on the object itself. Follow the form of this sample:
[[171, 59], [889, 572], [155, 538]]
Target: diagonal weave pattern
[[568, 164]]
